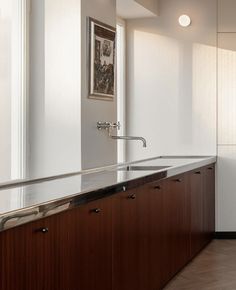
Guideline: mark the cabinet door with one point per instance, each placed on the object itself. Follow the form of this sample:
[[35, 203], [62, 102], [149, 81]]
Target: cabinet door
[[176, 225], [156, 245], [91, 246], [68, 251], [32, 256], [209, 203], [197, 223], [130, 240]]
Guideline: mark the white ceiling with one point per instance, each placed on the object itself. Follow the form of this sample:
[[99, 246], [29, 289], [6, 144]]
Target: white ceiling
[[128, 9]]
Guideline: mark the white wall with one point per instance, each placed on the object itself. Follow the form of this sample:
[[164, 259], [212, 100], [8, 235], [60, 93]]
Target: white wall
[[54, 100], [97, 148], [11, 37], [226, 176], [171, 97], [5, 90]]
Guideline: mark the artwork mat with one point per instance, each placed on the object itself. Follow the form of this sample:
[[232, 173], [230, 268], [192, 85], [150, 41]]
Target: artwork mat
[[91, 57]]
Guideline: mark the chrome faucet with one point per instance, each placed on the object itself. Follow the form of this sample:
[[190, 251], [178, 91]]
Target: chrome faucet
[[130, 138], [109, 126]]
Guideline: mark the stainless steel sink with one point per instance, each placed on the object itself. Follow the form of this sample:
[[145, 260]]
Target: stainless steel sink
[[142, 168]]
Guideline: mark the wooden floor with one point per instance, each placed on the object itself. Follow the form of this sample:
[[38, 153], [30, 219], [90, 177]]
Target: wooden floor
[[213, 269]]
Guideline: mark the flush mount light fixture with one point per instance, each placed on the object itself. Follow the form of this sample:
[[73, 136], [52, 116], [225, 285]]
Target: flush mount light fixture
[[184, 20]]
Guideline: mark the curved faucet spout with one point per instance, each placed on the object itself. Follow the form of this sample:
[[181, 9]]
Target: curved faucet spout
[[131, 138]]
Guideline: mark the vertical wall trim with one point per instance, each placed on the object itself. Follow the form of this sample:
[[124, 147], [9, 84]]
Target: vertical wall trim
[[121, 104], [217, 75], [217, 111], [19, 90]]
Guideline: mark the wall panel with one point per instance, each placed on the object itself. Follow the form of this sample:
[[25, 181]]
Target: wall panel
[[227, 19]]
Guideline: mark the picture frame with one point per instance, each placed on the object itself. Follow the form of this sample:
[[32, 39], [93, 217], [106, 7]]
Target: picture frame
[[102, 57]]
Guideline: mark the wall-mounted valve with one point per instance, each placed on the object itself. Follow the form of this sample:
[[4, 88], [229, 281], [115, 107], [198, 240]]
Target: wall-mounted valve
[[108, 126]]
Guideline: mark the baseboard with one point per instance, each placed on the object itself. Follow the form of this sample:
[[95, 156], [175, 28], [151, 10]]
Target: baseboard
[[225, 235]]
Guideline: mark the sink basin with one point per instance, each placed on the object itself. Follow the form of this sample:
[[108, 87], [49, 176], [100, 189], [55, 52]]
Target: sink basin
[[142, 168]]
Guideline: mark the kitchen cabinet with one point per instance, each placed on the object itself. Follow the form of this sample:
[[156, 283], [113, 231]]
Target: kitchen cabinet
[[68, 251], [157, 255], [29, 257], [197, 211], [90, 239], [202, 187], [138, 256], [151, 239], [176, 224], [130, 240], [136, 239], [209, 203]]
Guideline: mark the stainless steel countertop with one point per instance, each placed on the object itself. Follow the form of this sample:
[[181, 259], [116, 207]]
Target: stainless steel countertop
[[29, 202]]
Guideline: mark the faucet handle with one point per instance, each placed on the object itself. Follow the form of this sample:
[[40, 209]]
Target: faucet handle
[[103, 125], [108, 125], [115, 125], [118, 125]]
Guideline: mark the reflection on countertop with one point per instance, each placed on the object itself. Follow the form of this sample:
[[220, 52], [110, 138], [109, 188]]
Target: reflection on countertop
[[34, 199]]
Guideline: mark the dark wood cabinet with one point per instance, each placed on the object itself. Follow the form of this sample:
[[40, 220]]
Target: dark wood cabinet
[[130, 240], [202, 188], [68, 251], [196, 193], [209, 203], [90, 237], [29, 259], [176, 225], [137, 239], [151, 234], [138, 255], [156, 229]]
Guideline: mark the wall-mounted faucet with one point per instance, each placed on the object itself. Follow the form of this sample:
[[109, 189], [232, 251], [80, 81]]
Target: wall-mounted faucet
[[109, 126], [130, 138]]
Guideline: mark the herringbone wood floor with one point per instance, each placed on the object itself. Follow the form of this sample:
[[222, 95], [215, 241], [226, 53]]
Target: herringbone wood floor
[[213, 269]]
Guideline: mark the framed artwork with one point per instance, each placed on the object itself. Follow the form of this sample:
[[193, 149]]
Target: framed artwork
[[102, 48]]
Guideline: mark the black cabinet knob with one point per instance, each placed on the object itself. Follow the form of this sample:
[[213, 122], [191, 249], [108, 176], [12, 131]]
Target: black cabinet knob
[[44, 230], [158, 187], [178, 180], [96, 210], [198, 172], [210, 168], [132, 196]]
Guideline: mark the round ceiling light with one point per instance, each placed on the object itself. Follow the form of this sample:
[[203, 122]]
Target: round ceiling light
[[184, 20]]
